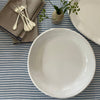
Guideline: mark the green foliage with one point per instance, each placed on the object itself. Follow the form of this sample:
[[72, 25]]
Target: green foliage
[[43, 16], [70, 6], [58, 10]]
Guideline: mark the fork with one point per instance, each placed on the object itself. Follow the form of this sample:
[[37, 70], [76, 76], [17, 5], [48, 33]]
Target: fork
[[28, 24]]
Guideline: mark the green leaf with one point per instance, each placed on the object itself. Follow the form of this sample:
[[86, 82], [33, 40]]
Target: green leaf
[[65, 10], [39, 20], [56, 7], [72, 6], [76, 13], [44, 10], [78, 9], [58, 10], [47, 17], [75, 3], [65, 2], [68, 7], [40, 15], [74, 10], [61, 0], [44, 15], [69, 2]]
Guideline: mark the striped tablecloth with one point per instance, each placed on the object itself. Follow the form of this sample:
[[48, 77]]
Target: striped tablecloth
[[15, 82]]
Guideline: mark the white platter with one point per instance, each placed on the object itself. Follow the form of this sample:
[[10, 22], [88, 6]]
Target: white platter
[[61, 63], [88, 19]]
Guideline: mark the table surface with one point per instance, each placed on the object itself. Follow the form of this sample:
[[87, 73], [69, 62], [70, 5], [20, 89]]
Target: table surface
[[15, 82]]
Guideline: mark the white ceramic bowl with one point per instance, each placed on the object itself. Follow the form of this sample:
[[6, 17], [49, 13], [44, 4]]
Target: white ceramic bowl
[[61, 63], [88, 19]]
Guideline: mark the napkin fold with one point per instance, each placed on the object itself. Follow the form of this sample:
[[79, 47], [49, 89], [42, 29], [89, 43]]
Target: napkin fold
[[8, 18]]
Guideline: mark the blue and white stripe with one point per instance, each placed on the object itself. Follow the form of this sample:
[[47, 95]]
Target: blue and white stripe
[[15, 83]]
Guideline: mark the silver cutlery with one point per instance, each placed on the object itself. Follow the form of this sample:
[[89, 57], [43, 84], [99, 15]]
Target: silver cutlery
[[22, 12]]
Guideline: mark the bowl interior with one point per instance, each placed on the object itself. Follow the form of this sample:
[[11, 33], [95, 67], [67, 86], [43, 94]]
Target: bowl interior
[[61, 63]]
